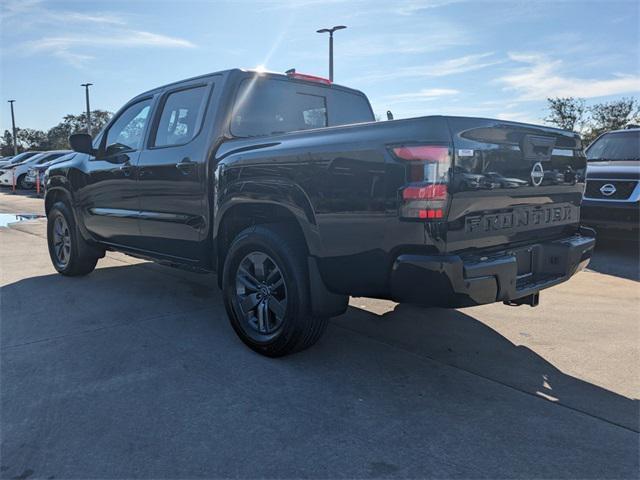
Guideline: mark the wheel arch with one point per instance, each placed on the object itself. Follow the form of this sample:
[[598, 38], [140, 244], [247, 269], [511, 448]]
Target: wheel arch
[[56, 194], [241, 214]]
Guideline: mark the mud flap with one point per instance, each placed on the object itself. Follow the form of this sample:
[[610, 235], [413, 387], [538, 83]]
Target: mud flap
[[323, 302]]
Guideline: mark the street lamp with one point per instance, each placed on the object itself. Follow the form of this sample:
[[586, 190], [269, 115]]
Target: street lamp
[[86, 91], [13, 126], [330, 32]]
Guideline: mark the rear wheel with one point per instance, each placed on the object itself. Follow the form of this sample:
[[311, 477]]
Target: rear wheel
[[70, 254], [266, 292]]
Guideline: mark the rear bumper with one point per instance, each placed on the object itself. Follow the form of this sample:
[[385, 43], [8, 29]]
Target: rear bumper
[[459, 281]]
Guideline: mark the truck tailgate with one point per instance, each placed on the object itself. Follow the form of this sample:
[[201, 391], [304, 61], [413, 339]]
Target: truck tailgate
[[511, 182]]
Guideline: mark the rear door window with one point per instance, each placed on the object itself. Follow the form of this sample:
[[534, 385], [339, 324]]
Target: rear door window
[[181, 117]]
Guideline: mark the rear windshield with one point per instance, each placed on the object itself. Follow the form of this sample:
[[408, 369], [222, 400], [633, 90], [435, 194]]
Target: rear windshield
[[268, 106], [616, 146]]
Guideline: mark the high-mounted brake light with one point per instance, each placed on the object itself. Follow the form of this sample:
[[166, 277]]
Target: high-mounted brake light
[[426, 195], [309, 78]]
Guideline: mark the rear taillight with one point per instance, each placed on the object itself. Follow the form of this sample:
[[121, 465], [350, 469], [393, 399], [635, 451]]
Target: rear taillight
[[425, 196]]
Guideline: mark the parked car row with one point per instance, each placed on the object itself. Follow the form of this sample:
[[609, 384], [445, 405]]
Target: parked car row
[[18, 169], [40, 169]]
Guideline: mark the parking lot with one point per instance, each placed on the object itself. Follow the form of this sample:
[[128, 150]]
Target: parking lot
[[134, 371]]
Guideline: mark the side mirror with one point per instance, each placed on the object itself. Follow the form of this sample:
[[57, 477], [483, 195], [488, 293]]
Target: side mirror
[[81, 142]]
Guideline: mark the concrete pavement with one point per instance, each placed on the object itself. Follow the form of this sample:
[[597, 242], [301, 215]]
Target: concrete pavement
[[134, 371]]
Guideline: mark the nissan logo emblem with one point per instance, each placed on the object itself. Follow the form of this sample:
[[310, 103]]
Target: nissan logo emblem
[[607, 189], [537, 174]]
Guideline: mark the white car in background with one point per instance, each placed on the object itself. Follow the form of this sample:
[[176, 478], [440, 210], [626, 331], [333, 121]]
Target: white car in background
[[36, 171], [18, 171], [5, 162]]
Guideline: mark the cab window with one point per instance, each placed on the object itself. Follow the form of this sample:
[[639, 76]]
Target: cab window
[[181, 117]]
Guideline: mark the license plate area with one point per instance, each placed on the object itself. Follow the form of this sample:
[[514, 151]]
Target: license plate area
[[524, 259]]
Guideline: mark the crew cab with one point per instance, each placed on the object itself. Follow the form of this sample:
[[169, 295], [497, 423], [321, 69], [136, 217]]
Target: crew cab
[[288, 189], [611, 202]]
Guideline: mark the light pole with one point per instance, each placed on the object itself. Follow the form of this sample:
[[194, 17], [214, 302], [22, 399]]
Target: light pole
[[13, 126], [86, 91], [330, 32]]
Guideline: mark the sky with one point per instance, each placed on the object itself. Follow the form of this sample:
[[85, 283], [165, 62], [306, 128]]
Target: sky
[[497, 59]]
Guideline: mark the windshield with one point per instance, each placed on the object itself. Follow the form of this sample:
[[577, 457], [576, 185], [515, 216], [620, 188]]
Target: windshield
[[616, 146], [30, 159], [21, 157]]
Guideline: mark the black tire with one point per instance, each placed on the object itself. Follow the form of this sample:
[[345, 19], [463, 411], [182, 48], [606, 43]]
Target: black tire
[[74, 256], [283, 257], [20, 182]]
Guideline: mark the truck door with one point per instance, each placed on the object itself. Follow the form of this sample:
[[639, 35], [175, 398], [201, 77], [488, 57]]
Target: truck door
[[109, 199], [172, 173]]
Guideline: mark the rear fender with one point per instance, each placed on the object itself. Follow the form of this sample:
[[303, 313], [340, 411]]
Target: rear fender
[[270, 193]]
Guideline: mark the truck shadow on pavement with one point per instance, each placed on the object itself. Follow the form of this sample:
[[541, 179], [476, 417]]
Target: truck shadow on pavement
[[618, 257], [142, 353], [459, 340], [152, 295]]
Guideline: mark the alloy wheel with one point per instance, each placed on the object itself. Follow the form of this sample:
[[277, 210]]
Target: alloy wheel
[[261, 293], [61, 240]]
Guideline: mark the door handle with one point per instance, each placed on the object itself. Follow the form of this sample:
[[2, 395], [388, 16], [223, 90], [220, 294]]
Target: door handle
[[185, 165]]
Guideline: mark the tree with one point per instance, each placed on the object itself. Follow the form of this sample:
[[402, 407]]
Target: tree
[[566, 113], [31, 139], [612, 115], [58, 136], [6, 144], [572, 114]]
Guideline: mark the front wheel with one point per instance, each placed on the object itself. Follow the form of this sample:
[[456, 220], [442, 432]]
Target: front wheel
[[266, 291], [70, 254]]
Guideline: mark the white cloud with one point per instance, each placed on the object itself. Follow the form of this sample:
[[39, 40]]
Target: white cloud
[[433, 38], [411, 7], [424, 95], [126, 38], [542, 78], [34, 12], [89, 32], [452, 66], [399, 7], [524, 117]]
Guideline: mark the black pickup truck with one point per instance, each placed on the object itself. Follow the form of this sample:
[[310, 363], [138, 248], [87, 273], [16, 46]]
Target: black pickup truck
[[286, 187]]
